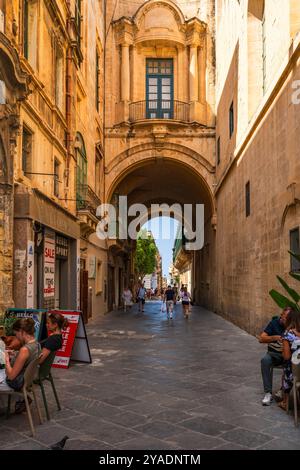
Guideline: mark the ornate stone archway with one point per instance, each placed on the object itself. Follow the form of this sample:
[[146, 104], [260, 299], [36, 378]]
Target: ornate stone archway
[[146, 153]]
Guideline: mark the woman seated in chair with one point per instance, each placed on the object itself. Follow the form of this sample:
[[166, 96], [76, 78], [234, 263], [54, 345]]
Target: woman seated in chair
[[291, 343], [15, 364], [55, 324]]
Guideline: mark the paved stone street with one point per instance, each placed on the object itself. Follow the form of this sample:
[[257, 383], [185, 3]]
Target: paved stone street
[[158, 384]]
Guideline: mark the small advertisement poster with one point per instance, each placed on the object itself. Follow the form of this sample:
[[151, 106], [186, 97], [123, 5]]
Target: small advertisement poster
[[63, 355], [92, 267], [30, 274], [49, 268], [38, 316]]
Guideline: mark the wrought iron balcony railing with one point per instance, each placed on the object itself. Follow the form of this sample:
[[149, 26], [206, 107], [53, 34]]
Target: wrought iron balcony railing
[[141, 110], [87, 199]]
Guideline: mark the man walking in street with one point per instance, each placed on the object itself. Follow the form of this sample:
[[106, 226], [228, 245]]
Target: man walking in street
[[169, 298], [272, 336]]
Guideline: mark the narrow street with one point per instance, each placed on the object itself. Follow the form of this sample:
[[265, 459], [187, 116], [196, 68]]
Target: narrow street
[[159, 384]]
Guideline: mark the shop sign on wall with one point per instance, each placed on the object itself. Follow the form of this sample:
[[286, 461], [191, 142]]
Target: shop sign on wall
[[49, 267], [30, 274]]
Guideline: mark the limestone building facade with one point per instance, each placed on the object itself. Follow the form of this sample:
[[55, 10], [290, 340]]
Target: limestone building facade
[[52, 54], [257, 161], [164, 101]]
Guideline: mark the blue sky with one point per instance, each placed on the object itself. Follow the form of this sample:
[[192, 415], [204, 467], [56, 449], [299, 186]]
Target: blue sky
[[164, 231]]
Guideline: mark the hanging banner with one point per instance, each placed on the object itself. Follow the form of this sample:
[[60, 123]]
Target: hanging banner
[[49, 268], [30, 274], [75, 344]]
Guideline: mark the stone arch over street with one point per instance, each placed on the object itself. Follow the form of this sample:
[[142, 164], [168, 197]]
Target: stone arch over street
[[172, 175], [168, 154]]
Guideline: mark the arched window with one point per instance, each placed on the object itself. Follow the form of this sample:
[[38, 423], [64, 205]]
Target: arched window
[[256, 54], [81, 173]]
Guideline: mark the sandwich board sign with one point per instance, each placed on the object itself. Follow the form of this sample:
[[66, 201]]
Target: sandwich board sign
[[75, 343]]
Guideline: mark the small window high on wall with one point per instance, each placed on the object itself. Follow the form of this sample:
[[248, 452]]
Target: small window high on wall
[[248, 202], [295, 248]]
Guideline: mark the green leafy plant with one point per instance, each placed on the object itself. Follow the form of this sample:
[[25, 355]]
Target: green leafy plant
[[8, 324], [145, 255], [294, 297]]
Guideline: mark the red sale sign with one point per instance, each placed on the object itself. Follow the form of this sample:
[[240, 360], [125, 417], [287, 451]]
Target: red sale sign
[[63, 355]]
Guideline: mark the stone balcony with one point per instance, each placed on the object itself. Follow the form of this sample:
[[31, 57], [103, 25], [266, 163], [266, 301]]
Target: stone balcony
[[87, 203], [179, 111], [181, 257]]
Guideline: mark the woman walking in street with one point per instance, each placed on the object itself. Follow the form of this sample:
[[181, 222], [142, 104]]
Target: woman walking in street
[[185, 298]]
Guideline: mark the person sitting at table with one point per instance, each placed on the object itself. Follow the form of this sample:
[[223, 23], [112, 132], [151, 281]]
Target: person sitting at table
[[55, 324], [16, 363], [291, 344]]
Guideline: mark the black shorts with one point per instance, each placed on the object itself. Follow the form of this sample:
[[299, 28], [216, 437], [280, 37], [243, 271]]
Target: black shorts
[[185, 302], [141, 300]]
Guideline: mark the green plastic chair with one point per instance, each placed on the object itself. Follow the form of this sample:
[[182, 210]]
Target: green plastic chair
[[45, 374]]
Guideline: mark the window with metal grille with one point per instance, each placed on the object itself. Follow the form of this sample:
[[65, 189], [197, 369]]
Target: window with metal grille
[[231, 120], [159, 89], [81, 173], [295, 248], [56, 177], [218, 150], [248, 199]]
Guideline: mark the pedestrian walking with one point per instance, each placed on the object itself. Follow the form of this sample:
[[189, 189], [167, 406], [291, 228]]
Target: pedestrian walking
[[185, 298], [141, 294], [169, 298], [127, 298]]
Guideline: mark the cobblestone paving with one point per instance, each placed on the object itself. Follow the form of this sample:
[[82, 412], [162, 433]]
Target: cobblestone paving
[[161, 384]]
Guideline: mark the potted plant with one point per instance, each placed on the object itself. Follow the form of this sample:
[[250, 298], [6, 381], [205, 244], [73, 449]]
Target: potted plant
[[294, 297]]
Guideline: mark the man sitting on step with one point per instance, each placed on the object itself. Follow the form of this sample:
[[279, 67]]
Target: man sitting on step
[[272, 336]]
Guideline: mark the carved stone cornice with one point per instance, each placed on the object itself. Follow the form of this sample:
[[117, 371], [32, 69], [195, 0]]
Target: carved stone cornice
[[195, 32], [124, 29]]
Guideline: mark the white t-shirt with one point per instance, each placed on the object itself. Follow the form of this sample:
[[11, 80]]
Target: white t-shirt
[[141, 293], [127, 296], [185, 296]]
